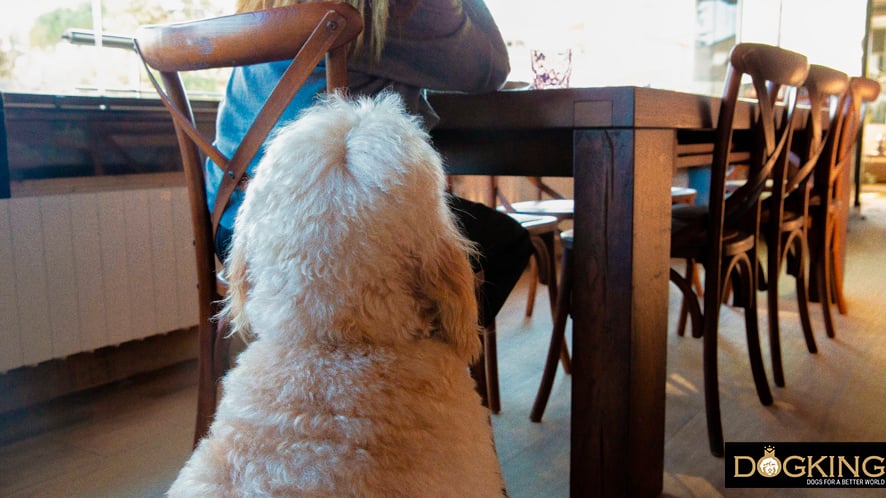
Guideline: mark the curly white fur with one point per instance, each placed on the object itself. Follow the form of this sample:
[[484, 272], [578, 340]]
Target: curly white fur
[[350, 273]]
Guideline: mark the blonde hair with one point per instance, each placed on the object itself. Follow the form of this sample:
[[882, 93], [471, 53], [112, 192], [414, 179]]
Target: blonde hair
[[375, 18]]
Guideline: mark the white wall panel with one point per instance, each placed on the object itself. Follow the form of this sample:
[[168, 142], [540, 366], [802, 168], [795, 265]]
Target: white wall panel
[[162, 235], [82, 271], [139, 265], [184, 255], [112, 230], [30, 279], [88, 267], [10, 343], [61, 275]]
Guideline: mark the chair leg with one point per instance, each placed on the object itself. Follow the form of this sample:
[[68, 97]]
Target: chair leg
[[755, 354], [837, 267], [823, 285], [773, 271], [565, 358], [713, 297], [715, 292], [827, 286], [557, 338], [798, 269], [696, 279], [692, 276], [533, 286], [553, 291], [490, 351], [689, 304], [542, 268], [820, 272], [208, 376], [775, 340], [478, 373], [547, 274]]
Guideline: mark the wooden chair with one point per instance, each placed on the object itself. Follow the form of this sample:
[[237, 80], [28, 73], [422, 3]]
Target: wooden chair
[[548, 202], [829, 199], [563, 308], [685, 196], [305, 34], [562, 311], [785, 212], [556, 205], [714, 234], [541, 230]]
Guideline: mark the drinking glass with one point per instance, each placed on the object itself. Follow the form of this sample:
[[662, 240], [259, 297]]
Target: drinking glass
[[552, 67]]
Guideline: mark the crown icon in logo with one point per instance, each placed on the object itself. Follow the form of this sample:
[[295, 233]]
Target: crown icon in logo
[[769, 465]]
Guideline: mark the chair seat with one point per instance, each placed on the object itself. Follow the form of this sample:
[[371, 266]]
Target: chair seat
[[689, 234], [535, 224], [683, 195], [790, 220], [561, 208], [567, 238], [833, 206]]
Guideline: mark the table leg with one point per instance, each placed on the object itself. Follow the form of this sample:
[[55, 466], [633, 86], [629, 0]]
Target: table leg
[[622, 221]]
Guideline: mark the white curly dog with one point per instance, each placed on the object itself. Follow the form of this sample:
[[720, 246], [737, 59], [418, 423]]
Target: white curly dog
[[350, 274]]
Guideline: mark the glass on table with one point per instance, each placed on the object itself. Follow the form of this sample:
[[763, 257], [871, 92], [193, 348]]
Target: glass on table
[[551, 67]]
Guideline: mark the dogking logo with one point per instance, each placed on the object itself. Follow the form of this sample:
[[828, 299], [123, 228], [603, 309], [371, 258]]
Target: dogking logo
[[797, 465], [769, 465]]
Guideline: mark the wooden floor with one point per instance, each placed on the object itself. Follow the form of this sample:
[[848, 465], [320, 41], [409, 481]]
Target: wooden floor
[[130, 439]]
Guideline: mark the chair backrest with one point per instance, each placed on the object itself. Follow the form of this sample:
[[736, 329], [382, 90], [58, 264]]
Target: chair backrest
[[824, 87], [835, 159], [775, 75], [542, 189], [304, 34]]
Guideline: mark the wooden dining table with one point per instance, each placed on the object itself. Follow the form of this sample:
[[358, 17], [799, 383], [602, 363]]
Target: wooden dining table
[[621, 145]]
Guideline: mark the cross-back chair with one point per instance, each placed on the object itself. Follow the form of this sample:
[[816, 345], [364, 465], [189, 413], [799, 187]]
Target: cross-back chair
[[786, 210], [829, 198], [716, 234], [548, 202], [306, 34]]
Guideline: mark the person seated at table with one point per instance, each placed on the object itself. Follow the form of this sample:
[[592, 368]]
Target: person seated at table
[[407, 46]]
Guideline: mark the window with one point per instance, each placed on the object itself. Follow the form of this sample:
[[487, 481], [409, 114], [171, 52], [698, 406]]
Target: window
[[75, 104], [674, 44], [37, 56]]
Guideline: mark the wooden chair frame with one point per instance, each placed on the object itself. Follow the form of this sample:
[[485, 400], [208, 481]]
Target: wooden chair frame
[[826, 271], [787, 208], [306, 34], [721, 243]]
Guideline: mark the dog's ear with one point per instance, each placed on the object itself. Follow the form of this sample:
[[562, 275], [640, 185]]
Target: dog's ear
[[453, 289], [238, 289]]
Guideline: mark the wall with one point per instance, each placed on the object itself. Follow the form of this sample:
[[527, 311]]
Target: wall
[[86, 270]]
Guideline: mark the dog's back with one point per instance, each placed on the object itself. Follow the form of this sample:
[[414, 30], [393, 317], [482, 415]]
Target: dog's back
[[347, 266], [356, 420]]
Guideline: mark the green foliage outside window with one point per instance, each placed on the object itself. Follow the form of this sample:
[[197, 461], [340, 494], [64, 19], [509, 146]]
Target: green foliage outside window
[[35, 59]]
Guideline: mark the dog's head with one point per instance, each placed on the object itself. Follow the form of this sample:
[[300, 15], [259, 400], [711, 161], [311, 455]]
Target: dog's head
[[345, 235]]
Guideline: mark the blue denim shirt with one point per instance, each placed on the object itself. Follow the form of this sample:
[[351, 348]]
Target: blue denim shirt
[[449, 45]]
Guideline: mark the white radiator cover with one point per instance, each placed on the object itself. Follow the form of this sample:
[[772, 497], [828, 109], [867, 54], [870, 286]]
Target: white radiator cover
[[81, 271]]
